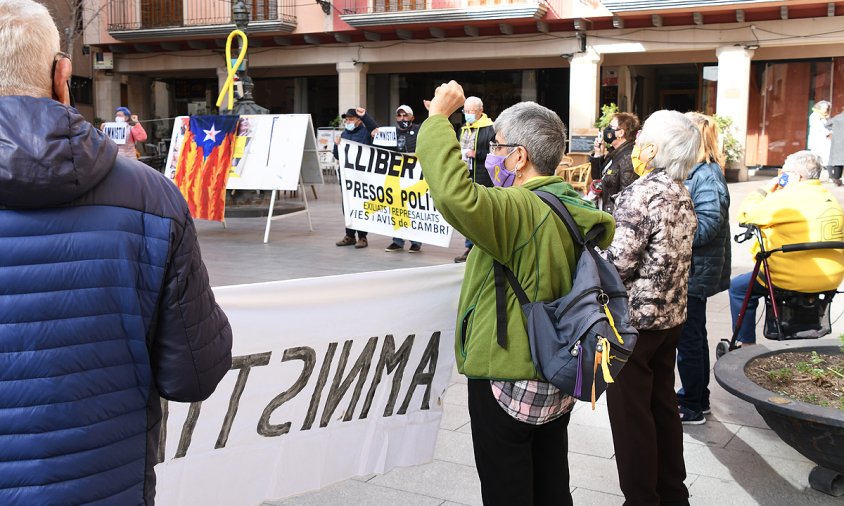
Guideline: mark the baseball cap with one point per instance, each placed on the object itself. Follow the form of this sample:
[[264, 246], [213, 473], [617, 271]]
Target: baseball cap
[[405, 108], [350, 113]]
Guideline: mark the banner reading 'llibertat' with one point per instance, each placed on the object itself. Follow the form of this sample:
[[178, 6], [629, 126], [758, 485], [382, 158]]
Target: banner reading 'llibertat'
[[308, 402], [384, 192]]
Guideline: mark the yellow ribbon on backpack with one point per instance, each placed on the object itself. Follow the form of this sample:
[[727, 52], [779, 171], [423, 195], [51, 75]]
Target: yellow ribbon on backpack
[[602, 361]]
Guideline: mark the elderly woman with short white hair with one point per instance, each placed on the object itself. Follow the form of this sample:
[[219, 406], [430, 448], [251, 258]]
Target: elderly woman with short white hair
[[652, 250]]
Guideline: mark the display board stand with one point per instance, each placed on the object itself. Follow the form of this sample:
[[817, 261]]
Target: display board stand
[[270, 216]]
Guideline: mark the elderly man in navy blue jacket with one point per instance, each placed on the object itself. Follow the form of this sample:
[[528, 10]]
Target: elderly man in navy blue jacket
[[105, 304], [358, 127]]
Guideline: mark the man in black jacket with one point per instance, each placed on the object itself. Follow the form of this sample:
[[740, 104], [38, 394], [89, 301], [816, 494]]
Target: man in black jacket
[[406, 131], [358, 127]]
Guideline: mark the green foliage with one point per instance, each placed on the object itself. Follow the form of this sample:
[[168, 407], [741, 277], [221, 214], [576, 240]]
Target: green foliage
[[841, 338], [733, 150], [781, 376], [607, 112], [336, 122]]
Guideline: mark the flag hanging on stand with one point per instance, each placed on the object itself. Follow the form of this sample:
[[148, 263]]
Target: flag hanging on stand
[[204, 162]]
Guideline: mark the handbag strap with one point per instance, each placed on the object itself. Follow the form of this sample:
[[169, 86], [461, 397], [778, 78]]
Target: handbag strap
[[503, 273]]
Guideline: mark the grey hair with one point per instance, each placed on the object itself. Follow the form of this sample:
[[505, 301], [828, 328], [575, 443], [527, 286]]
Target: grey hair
[[30, 41], [822, 105], [474, 101], [538, 129], [677, 140], [805, 163]]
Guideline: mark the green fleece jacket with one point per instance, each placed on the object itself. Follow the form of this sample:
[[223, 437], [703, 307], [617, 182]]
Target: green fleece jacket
[[513, 226]]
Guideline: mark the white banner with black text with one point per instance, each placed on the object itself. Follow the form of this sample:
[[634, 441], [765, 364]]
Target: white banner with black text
[[384, 192], [332, 377]]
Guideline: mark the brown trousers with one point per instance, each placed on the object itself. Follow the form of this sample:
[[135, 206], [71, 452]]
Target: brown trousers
[[646, 428]]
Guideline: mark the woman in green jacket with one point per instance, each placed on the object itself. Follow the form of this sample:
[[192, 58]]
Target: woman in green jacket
[[518, 420]]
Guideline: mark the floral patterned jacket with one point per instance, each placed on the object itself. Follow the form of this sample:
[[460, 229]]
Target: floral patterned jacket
[[652, 249]]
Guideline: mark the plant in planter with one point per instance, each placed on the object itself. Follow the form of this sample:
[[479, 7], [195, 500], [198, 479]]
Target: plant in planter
[[814, 428]]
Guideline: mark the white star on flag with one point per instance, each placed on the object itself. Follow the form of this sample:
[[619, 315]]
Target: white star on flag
[[211, 134]]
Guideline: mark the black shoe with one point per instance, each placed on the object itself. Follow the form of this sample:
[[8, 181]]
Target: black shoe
[[393, 247], [462, 258], [689, 417], [415, 248], [346, 241]]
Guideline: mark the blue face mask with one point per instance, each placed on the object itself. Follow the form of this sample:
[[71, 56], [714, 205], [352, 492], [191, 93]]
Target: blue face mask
[[470, 118], [497, 172], [350, 126]]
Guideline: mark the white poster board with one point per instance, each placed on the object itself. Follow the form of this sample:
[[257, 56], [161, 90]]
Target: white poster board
[[306, 405], [386, 137], [384, 192], [116, 131], [278, 148], [327, 137], [281, 147]]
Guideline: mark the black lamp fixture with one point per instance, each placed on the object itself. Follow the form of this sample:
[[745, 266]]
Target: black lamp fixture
[[240, 15], [326, 5]]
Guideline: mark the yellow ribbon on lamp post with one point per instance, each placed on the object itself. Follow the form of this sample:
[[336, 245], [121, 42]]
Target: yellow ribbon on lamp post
[[228, 86]]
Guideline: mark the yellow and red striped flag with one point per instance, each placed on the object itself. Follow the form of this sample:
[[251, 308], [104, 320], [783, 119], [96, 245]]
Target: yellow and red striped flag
[[203, 165]]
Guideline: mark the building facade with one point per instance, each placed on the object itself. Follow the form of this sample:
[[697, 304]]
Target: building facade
[[762, 63]]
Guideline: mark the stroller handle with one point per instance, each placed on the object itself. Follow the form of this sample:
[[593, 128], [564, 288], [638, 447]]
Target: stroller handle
[[804, 246]]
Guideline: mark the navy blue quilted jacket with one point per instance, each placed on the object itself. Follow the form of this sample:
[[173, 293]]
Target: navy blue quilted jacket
[[711, 253], [105, 307]]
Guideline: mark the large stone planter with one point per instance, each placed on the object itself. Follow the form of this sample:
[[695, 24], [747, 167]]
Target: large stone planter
[[814, 431]]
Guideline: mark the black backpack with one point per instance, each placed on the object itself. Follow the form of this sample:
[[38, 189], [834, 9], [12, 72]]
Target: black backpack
[[579, 342]]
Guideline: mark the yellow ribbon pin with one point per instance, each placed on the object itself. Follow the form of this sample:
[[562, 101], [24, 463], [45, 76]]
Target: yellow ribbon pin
[[228, 86]]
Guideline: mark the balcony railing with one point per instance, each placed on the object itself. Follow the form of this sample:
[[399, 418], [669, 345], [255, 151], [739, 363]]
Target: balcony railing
[[381, 6], [362, 13], [142, 19]]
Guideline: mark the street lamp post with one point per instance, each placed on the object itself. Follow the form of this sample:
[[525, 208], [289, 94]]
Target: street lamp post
[[245, 104]]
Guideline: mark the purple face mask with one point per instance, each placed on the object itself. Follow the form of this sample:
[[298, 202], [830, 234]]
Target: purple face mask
[[497, 172]]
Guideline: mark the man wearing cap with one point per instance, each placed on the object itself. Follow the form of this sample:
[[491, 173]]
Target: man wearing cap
[[135, 134], [406, 131], [358, 127]]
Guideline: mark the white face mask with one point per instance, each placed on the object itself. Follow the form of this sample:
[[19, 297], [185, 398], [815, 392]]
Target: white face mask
[[119, 119]]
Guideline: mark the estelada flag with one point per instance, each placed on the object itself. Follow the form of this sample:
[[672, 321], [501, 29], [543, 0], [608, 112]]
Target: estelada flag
[[204, 163]]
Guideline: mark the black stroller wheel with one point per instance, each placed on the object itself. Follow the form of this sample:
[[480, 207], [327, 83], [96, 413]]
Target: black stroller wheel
[[722, 348]]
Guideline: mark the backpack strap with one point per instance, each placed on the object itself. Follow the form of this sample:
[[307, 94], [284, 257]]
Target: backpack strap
[[503, 273]]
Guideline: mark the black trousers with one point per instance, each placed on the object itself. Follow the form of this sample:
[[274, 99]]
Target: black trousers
[[693, 358], [518, 463], [350, 232], [834, 171], [645, 422]]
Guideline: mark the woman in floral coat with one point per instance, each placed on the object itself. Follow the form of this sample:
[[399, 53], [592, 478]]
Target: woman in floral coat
[[652, 250]]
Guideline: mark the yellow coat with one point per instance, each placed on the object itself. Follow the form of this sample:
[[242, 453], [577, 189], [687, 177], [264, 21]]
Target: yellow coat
[[801, 212]]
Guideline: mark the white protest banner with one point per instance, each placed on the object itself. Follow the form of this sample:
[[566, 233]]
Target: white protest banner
[[384, 192], [332, 377], [386, 137], [116, 131]]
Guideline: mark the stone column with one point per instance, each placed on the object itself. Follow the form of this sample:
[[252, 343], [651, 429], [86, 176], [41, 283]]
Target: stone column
[[351, 85], [584, 82], [733, 93], [106, 95]]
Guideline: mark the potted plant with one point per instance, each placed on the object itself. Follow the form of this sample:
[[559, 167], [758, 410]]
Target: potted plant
[[812, 426], [731, 147]]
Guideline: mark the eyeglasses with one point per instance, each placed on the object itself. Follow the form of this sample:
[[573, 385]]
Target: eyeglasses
[[493, 146], [61, 55]]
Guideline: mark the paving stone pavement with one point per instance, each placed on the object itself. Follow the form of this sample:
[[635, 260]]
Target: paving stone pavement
[[732, 459]]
